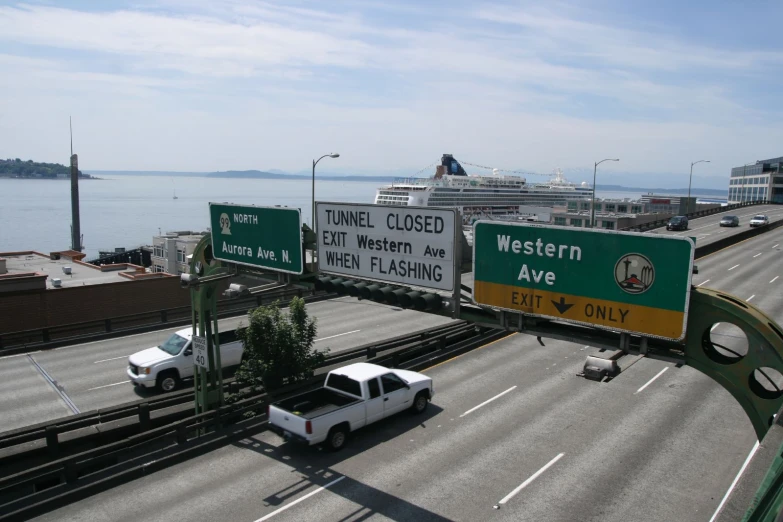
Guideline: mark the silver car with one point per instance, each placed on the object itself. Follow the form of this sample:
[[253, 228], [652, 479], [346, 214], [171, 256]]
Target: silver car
[[759, 220]]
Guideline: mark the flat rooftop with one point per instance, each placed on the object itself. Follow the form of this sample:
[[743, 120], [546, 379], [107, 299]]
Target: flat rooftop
[[20, 264]]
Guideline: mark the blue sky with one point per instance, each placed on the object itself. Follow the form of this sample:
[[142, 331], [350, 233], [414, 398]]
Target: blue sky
[[206, 85]]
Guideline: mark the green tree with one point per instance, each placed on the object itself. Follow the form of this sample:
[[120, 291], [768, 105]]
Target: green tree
[[278, 347]]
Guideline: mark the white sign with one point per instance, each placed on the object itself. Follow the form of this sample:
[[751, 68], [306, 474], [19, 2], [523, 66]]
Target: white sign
[[404, 245], [200, 357]]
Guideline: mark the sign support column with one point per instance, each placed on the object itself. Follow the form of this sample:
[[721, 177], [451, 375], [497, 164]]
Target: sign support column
[[457, 292], [207, 375]]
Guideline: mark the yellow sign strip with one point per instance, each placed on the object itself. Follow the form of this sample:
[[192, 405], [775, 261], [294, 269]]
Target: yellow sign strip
[[610, 314]]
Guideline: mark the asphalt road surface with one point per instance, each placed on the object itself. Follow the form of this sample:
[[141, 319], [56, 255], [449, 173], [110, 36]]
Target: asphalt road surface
[[92, 375], [707, 229], [512, 435]]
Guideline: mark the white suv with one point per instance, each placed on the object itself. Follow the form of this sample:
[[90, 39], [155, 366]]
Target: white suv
[[164, 366], [759, 220]]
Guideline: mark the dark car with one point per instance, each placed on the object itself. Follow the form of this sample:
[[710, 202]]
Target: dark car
[[677, 223], [729, 221]]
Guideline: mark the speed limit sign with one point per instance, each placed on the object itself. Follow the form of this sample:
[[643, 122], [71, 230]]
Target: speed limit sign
[[200, 352]]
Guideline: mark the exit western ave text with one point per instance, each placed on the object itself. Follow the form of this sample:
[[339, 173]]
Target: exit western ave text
[[405, 246]]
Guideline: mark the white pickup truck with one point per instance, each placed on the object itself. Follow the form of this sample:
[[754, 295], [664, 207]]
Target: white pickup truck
[[352, 397], [165, 366]]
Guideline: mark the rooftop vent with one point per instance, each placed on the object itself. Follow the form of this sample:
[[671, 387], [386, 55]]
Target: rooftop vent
[[66, 270], [57, 283]]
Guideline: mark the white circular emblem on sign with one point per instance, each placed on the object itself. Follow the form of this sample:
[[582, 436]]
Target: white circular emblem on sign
[[225, 224], [634, 273]]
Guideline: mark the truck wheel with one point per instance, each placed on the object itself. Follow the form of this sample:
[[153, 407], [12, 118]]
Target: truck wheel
[[336, 438], [420, 402], [167, 381]]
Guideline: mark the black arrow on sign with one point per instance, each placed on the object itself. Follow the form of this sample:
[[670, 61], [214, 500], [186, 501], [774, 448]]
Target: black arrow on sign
[[562, 306]]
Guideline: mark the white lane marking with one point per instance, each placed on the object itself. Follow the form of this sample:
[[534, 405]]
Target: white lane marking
[[651, 380], [528, 481], [703, 282], [112, 359], [108, 385], [736, 479], [775, 246], [732, 268], [295, 502], [749, 298], [333, 336], [757, 255], [714, 326], [773, 280], [488, 401]]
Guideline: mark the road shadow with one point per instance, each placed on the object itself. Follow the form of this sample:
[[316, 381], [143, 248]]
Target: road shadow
[[315, 465]]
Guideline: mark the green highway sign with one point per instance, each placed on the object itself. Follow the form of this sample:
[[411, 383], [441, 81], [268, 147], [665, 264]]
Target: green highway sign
[[619, 281], [261, 237]]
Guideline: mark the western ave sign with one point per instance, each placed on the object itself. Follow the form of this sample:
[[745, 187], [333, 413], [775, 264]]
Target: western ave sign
[[620, 281]]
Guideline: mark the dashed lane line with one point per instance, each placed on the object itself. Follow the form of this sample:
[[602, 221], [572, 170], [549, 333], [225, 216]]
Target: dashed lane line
[[300, 499], [651, 380], [528, 481], [499, 395]]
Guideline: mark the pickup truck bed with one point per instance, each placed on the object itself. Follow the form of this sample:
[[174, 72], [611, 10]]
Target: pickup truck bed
[[315, 403]]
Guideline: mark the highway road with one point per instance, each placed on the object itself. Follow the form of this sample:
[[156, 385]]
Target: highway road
[[707, 229], [92, 375], [512, 435]]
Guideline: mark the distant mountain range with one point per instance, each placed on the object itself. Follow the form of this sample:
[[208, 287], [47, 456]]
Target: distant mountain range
[[679, 192], [703, 186], [259, 174]]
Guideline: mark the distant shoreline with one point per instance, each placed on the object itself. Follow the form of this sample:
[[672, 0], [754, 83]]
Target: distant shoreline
[[261, 175], [39, 178]]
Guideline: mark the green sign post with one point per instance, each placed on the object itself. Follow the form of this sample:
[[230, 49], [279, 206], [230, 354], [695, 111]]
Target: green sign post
[[261, 237], [620, 281]]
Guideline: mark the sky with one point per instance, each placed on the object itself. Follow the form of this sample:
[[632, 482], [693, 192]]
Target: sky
[[205, 85]]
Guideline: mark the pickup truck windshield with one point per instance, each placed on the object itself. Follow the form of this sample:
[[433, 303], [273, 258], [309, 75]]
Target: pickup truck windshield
[[173, 344], [344, 384]]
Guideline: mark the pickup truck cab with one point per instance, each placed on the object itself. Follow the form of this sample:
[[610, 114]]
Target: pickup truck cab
[[164, 366], [352, 397]]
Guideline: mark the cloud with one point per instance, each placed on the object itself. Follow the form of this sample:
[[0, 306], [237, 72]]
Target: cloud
[[200, 85]]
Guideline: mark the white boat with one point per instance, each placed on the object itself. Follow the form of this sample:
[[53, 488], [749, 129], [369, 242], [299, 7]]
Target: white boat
[[495, 195]]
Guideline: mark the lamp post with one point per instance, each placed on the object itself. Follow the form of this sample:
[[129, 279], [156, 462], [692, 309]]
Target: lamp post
[[592, 202], [690, 178], [315, 162]]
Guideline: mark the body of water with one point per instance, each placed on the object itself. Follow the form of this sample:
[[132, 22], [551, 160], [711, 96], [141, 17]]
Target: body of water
[[127, 211]]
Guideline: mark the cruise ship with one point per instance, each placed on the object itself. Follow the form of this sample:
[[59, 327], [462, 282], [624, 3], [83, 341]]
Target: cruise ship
[[496, 195]]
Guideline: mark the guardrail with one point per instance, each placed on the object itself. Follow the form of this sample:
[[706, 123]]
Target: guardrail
[[54, 336], [40, 488], [693, 215]]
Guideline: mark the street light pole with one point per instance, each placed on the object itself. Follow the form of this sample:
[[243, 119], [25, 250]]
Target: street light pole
[[690, 178], [592, 202], [315, 162]]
